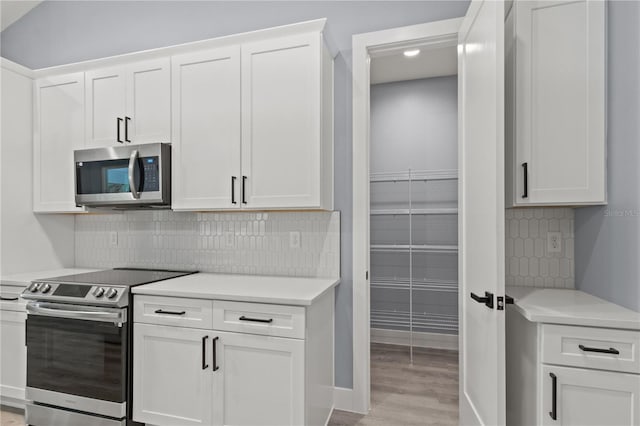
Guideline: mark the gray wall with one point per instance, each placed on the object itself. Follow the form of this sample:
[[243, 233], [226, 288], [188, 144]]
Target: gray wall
[[59, 32], [608, 238], [414, 124]]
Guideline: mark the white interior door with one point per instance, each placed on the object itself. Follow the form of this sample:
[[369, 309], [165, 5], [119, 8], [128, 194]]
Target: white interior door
[[481, 218]]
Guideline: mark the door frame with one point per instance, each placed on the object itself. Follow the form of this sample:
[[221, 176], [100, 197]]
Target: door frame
[[364, 47]]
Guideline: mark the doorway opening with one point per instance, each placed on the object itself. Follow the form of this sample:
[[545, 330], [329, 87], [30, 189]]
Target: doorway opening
[[405, 218]]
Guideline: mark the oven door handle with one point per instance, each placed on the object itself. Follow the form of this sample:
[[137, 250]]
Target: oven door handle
[[130, 174], [116, 316]]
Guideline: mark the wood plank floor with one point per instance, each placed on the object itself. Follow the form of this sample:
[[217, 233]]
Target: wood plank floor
[[425, 393]]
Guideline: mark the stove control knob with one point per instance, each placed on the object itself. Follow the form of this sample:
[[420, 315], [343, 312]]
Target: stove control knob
[[112, 293], [98, 292], [45, 288], [34, 287]]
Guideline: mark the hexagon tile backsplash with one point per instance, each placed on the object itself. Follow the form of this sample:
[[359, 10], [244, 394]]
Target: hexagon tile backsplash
[[305, 244], [529, 260]]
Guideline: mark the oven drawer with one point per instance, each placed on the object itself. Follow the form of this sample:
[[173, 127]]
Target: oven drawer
[[588, 347], [259, 318], [176, 311]]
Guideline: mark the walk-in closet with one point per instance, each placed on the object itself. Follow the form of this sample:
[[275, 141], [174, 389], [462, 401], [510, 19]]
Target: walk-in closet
[[413, 198]]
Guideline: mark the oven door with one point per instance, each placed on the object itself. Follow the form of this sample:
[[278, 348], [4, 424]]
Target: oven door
[[77, 357], [120, 176]]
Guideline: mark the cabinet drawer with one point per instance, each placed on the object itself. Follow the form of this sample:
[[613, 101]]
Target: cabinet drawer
[[591, 347], [258, 318], [194, 313]]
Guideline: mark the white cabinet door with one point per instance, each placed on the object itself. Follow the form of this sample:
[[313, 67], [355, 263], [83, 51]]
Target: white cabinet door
[[259, 381], [58, 130], [560, 103], [129, 104], [281, 122], [206, 130], [105, 107], [148, 111], [589, 397], [481, 220], [170, 385], [13, 355]]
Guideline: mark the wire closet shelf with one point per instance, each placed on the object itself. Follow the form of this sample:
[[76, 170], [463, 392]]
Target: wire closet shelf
[[385, 318]]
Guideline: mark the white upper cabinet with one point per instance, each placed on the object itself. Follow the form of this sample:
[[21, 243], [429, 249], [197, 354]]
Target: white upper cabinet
[[555, 106], [58, 130], [129, 104], [253, 126], [206, 129], [287, 140]]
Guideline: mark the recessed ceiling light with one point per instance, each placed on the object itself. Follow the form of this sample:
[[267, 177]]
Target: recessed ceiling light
[[411, 53]]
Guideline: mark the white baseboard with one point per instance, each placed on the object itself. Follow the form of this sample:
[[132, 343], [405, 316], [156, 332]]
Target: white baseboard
[[343, 399], [423, 340]]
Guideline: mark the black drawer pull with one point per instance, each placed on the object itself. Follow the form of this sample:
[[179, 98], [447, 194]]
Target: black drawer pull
[[554, 397], [233, 190], [118, 121], [215, 361], [126, 129], [204, 353], [268, 321], [599, 350], [9, 298], [160, 311], [244, 190]]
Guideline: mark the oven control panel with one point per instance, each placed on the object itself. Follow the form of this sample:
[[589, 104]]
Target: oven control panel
[[77, 293]]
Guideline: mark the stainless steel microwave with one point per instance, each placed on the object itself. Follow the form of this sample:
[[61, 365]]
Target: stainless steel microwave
[[133, 176]]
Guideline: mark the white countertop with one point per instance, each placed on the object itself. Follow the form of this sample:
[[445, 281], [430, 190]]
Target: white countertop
[[24, 278], [571, 307], [245, 288]]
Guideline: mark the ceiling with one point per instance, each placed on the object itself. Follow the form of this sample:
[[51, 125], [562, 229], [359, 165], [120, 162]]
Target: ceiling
[[11, 11], [431, 62]]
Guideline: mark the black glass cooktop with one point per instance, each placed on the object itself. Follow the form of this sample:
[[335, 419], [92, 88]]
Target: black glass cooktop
[[119, 277]]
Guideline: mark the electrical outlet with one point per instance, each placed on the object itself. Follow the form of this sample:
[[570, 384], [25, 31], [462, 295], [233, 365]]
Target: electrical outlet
[[294, 239], [554, 242], [113, 239]]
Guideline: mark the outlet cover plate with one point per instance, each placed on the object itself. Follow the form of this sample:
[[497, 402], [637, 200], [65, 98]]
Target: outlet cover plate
[[554, 242]]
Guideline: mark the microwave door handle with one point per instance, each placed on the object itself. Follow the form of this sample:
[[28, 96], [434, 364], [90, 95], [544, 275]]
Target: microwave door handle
[[132, 165]]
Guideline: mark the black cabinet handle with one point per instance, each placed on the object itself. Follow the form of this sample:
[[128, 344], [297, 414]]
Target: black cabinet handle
[[118, 121], [487, 299], [525, 171], [126, 129], [244, 186], [554, 397], [233, 190], [268, 321], [9, 298], [160, 311], [215, 361], [599, 350], [204, 353]]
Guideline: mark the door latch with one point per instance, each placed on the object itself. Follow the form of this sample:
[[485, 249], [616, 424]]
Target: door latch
[[501, 301]]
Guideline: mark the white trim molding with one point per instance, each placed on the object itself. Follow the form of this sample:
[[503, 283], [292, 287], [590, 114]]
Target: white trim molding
[[420, 339], [343, 399], [365, 46], [17, 68]]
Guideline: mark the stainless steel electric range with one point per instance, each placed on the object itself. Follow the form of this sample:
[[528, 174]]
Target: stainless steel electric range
[[79, 346]]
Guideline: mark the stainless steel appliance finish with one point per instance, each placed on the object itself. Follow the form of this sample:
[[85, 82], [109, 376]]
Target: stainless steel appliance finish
[[42, 415], [117, 316], [79, 346], [75, 402], [133, 176]]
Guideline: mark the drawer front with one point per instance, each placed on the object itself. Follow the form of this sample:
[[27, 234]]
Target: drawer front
[[259, 318], [601, 348], [194, 313], [10, 299]]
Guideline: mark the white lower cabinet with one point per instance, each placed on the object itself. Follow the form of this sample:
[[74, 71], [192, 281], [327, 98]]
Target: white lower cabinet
[[13, 352], [260, 380], [170, 384], [252, 376], [581, 397], [571, 375]]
